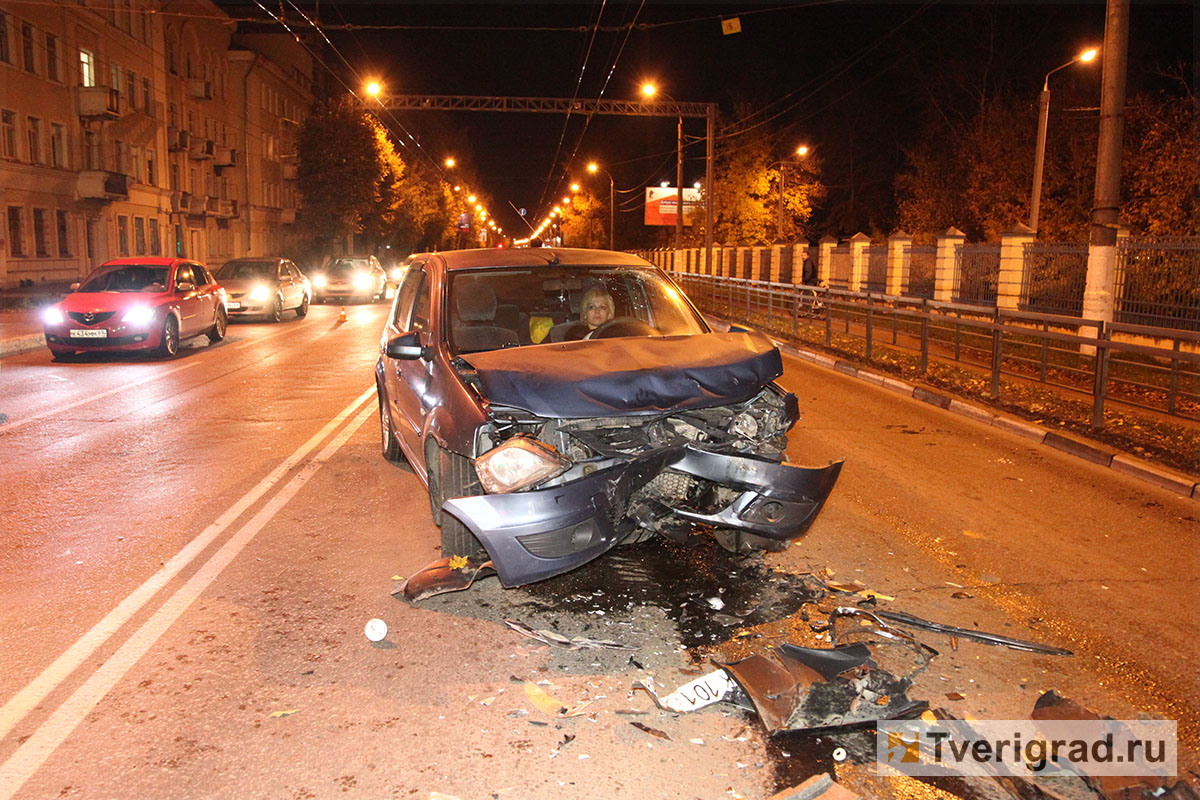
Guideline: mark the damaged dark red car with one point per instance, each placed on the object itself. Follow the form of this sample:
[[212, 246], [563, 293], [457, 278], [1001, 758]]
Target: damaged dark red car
[[549, 430]]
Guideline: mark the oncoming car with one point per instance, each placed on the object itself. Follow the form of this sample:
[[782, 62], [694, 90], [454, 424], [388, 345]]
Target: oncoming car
[[350, 278], [137, 304], [264, 287], [546, 441]]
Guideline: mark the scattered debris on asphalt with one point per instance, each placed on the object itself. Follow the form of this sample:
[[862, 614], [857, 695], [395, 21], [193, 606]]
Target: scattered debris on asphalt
[[655, 732], [452, 574], [978, 636], [555, 639]]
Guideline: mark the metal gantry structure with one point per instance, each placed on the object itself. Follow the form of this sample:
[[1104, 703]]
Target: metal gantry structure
[[563, 105]]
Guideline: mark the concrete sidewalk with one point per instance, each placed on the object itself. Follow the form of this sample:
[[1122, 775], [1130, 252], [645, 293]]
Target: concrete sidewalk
[[20, 331]]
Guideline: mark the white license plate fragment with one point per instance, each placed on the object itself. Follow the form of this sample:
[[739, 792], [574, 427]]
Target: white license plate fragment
[[704, 691], [89, 333], [234, 306]]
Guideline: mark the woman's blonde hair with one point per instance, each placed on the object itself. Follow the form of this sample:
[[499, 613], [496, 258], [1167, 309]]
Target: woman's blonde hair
[[597, 293]]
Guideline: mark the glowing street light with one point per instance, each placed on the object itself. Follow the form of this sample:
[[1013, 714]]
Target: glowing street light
[[374, 88], [801, 151], [450, 162], [594, 168], [649, 90], [1035, 200]]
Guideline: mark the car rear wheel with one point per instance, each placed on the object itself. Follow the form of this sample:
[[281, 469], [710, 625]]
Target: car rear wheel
[[390, 447], [302, 309], [169, 345], [454, 476], [217, 332], [277, 309]]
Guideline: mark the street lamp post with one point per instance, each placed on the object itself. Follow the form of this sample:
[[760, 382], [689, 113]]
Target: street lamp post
[[801, 151], [1035, 200], [649, 90], [594, 168]]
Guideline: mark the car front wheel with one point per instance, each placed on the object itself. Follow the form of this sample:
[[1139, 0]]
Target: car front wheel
[[454, 477], [302, 309], [169, 345], [277, 309]]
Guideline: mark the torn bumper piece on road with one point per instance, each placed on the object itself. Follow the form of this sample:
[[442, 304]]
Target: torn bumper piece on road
[[540, 533]]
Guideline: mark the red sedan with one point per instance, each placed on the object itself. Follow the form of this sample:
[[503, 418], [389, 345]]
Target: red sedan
[[137, 304]]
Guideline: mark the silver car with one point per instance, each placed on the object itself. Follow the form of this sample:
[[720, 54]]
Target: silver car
[[266, 287], [350, 278]]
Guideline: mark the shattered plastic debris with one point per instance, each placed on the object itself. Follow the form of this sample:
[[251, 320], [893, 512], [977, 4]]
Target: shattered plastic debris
[[287, 713], [552, 707], [452, 574], [978, 636], [558, 640], [655, 732]]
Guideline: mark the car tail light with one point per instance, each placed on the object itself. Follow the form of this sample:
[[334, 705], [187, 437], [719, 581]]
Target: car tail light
[[517, 464]]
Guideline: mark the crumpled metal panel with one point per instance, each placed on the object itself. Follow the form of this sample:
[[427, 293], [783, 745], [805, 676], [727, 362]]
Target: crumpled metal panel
[[633, 375]]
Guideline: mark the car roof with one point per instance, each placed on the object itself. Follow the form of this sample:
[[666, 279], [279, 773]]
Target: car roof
[[147, 261], [538, 257]]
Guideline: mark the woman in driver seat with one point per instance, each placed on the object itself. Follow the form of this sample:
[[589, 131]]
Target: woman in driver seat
[[596, 308]]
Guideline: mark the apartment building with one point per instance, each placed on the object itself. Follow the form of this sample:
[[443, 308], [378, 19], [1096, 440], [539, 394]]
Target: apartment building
[[139, 127]]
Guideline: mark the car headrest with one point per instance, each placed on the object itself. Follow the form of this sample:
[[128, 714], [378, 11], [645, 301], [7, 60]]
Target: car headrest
[[476, 302]]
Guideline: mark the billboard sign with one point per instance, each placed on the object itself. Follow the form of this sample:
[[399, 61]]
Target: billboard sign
[[661, 205]]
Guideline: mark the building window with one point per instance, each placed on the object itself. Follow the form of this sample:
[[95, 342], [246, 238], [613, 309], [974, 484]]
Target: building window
[[8, 133], [131, 86], [16, 231], [27, 48], [64, 234], [52, 57], [34, 132], [87, 68], [91, 150], [41, 238], [58, 145], [123, 235], [114, 79], [172, 59], [5, 56], [139, 235], [155, 238], [151, 168], [147, 97], [120, 157], [135, 163]]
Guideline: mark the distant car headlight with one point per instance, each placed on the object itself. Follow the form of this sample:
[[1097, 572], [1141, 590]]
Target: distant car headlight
[[519, 463], [397, 273], [318, 281], [53, 316], [362, 280], [259, 293], [138, 315]]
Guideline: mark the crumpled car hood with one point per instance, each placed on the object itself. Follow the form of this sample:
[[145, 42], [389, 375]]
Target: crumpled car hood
[[635, 375]]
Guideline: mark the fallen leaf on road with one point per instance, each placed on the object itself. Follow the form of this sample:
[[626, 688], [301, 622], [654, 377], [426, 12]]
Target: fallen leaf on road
[[287, 713], [652, 731], [542, 701], [962, 596]]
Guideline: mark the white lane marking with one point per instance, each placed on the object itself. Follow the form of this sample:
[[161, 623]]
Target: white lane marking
[[36, 691], [12, 425], [30, 756]]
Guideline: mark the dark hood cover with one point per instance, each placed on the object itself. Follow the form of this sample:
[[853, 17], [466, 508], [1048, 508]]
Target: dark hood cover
[[636, 375]]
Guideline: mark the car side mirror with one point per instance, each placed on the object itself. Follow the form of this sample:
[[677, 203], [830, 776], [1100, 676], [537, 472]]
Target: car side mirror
[[406, 346], [183, 287], [738, 329], [74, 287]]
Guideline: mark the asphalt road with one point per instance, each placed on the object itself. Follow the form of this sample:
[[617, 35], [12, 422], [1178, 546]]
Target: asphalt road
[[191, 548]]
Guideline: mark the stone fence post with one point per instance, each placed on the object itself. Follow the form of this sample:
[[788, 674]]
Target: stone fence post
[[1011, 279], [825, 247], [899, 262], [945, 264], [859, 243]]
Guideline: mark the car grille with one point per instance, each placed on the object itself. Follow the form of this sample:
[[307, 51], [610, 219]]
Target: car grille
[[83, 344], [90, 317], [613, 441]]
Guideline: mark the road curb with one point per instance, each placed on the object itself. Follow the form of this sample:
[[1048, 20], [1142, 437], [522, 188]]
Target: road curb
[[1179, 483], [21, 344]]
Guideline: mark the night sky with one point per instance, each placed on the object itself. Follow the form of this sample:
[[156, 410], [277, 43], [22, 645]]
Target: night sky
[[857, 82]]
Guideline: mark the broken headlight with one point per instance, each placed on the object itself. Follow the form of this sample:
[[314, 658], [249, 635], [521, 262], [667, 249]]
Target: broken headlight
[[518, 463]]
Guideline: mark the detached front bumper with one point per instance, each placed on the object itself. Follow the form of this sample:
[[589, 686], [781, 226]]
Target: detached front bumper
[[537, 534]]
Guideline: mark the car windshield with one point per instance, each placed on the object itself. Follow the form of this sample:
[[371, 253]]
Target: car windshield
[[494, 308], [131, 278], [247, 270], [346, 266]]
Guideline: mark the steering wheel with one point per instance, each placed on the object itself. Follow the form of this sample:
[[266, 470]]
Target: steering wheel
[[624, 326]]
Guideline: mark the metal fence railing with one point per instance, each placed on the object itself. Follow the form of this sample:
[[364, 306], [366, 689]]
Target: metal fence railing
[[976, 273], [1055, 277], [1157, 282], [1106, 360], [922, 259], [877, 265]]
